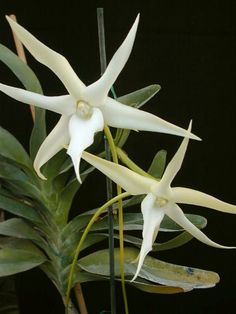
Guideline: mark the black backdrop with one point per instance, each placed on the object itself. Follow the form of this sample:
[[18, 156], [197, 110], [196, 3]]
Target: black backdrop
[[189, 48]]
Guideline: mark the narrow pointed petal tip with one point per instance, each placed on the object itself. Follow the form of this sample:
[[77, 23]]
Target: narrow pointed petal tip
[[176, 214], [39, 173], [50, 58], [152, 218], [97, 92]]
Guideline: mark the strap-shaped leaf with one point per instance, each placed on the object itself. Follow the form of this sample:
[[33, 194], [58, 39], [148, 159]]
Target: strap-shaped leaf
[[18, 228], [139, 97], [158, 164], [31, 83], [18, 255], [153, 288], [134, 221], [19, 208], [177, 241], [69, 246], [13, 150], [156, 271], [20, 182]]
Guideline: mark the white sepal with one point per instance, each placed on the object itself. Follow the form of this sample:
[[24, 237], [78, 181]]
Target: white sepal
[[60, 104], [54, 142]]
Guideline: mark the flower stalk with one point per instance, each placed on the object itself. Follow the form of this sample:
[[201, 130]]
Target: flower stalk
[[84, 235]]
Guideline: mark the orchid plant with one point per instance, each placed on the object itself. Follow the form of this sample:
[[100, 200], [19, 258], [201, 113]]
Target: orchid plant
[[38, 231]]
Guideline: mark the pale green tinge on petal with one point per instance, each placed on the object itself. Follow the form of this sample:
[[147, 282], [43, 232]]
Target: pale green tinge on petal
[[175, 213], [130, 181], [125, 117], [176, 162], [193, 197], [152, 218], [61, 104], [50, 58], [82, 133], [98, 90], [54, 142]]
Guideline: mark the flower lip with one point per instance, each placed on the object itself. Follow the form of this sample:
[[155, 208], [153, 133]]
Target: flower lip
[[84, 110]]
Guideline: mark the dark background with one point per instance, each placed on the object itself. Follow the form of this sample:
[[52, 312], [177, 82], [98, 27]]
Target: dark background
[[189, 48]]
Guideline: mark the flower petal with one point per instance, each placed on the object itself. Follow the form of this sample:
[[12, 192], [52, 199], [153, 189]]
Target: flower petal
[[54, 142], [61, 104], [175, 213], [126, 117], [82, 135], [98, 90], [176, 162], [129, 180], [152, 218], [193, 197], [50, 58]]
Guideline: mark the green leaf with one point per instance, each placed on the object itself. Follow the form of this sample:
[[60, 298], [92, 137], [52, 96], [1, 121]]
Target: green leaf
[[168, 224], [19, 208], [154, 288], [75, 226], [31, 83], [20, 182], [139, 97], [18, 255], [13, 150], [71, 243], [67, 195], [79, 275], [66, 198], [158, 164], [156, 271], [135, 99], [55, 164], [38, 133], [18, 228], [134, 221], [177, 241], [20, 69]]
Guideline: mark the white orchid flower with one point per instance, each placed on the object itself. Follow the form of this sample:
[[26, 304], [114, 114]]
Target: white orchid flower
[[161, 198], [85, 110]]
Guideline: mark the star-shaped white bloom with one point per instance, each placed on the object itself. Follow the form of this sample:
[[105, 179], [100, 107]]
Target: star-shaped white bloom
[[161, 198], [85, 110]]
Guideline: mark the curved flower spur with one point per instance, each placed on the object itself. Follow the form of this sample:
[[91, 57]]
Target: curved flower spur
[[85, 110], [161, 198]]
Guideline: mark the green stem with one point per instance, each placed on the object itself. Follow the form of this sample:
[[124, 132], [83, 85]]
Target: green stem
[[84, 235], [130, 164], [120, 219]]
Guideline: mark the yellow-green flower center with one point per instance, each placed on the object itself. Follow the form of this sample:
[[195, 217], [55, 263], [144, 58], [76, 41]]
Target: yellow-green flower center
[[161, 201], [84, 110]]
